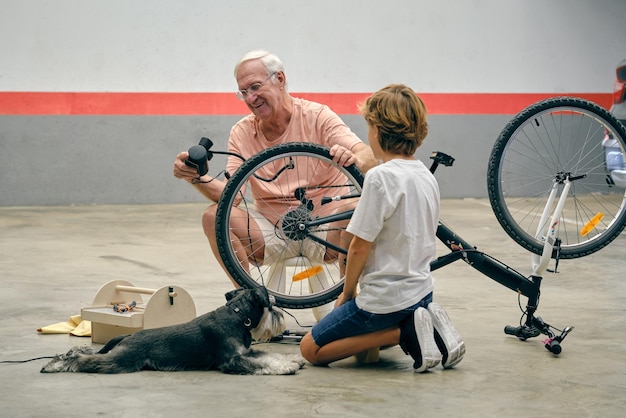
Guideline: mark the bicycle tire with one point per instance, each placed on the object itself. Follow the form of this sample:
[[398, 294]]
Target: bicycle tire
[[308, 170], [538, 146]]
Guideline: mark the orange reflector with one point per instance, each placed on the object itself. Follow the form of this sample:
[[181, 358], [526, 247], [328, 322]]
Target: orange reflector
[[305, 274], [592, 224]]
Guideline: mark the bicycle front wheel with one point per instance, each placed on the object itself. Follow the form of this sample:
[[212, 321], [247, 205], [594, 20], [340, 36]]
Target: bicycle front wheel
[[281, 220], [546, 143]]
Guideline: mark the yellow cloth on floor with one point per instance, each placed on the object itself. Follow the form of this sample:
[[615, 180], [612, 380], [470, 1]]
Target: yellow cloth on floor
[[75, 326]]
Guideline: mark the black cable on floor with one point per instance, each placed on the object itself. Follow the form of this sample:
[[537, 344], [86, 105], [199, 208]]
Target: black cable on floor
[[25, 361]]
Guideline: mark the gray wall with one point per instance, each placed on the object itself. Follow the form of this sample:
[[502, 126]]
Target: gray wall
[[60, 160]]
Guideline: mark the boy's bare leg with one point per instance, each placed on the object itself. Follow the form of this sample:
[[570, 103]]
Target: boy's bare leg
[[346, 347]]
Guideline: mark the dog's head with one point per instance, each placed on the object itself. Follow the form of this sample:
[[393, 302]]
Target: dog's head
[[258, 295], [255, 306]]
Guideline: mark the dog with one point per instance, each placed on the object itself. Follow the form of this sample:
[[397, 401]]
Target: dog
[[218, 340]]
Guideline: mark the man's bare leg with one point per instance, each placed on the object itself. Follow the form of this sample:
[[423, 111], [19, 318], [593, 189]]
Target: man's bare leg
[[247, 243]]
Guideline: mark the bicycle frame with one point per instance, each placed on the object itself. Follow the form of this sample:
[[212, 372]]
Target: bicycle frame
[[489, 266], [503, 274]]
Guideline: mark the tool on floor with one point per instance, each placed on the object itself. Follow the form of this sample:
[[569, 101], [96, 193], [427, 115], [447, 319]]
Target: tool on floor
[[168, 305]]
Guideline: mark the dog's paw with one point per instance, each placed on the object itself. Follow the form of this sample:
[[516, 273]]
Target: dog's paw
[[293, 368], [278, 364], [293, 364], [285, 368], [299, 360]]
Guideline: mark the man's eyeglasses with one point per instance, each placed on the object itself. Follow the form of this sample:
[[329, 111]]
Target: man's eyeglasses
[[242, 94]]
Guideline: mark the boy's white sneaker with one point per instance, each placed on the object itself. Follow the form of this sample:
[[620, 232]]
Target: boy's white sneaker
[[448, 339], [417, 338]]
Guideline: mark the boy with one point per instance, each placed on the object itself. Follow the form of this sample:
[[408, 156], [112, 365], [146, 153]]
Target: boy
[[394, 227]]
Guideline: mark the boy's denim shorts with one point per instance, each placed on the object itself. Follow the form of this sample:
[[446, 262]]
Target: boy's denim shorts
[[349, 320]]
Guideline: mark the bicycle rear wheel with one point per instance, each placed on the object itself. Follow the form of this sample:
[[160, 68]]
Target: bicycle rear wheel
[[280, 221], [545, 143]]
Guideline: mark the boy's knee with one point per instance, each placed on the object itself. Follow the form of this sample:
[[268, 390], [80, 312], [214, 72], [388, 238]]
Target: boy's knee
[[309, 349]]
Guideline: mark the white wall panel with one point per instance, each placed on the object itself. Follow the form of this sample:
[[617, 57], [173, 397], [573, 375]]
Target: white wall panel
[[327, 45]]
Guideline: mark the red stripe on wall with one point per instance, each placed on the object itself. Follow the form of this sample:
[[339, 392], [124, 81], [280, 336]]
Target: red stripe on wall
[[48, 103]]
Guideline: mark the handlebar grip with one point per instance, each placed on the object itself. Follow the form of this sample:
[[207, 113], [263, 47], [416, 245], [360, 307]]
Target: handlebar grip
[[554, 347], [198, 159], [510, 330]]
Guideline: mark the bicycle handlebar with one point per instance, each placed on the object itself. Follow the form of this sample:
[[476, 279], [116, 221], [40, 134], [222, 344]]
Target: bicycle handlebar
[[201, 154]]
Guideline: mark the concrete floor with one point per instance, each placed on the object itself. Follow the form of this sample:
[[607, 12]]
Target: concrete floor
[[54, 259]]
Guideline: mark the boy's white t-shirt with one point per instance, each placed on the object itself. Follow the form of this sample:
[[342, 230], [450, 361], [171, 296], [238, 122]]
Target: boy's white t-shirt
[[398, 211]]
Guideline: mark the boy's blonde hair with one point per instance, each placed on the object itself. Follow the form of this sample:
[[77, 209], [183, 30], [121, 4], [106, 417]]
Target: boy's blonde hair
[[400, 116]]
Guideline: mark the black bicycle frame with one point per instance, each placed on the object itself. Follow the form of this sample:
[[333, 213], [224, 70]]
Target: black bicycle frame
[[489, 266]]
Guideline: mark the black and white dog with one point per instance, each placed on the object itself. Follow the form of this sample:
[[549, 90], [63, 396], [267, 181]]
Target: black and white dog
[[218, 340]]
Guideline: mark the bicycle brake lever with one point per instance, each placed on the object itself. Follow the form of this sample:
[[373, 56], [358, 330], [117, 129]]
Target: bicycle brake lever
[[565, 331], [207, 144]]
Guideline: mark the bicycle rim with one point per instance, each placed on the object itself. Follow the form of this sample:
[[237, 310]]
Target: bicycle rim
[[546, 142], [278, 183]]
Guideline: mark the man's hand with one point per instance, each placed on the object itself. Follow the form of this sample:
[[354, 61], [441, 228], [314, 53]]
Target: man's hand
[[342, 156], [361, 155], [182, 170]]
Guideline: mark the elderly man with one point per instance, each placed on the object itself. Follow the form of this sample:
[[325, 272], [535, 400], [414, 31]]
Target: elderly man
[[276, 118]]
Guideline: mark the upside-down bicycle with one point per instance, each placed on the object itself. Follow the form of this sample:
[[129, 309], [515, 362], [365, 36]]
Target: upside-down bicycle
[[548, 186]]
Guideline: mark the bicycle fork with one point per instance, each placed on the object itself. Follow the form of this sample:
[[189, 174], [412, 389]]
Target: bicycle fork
[[547, 233]]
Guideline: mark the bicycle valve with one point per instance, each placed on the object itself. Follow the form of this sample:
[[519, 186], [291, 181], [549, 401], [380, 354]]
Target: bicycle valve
[[327, 199], [330, 199]]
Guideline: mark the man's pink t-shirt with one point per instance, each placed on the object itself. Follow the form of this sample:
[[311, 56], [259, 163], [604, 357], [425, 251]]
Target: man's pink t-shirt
[[310, 122]]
